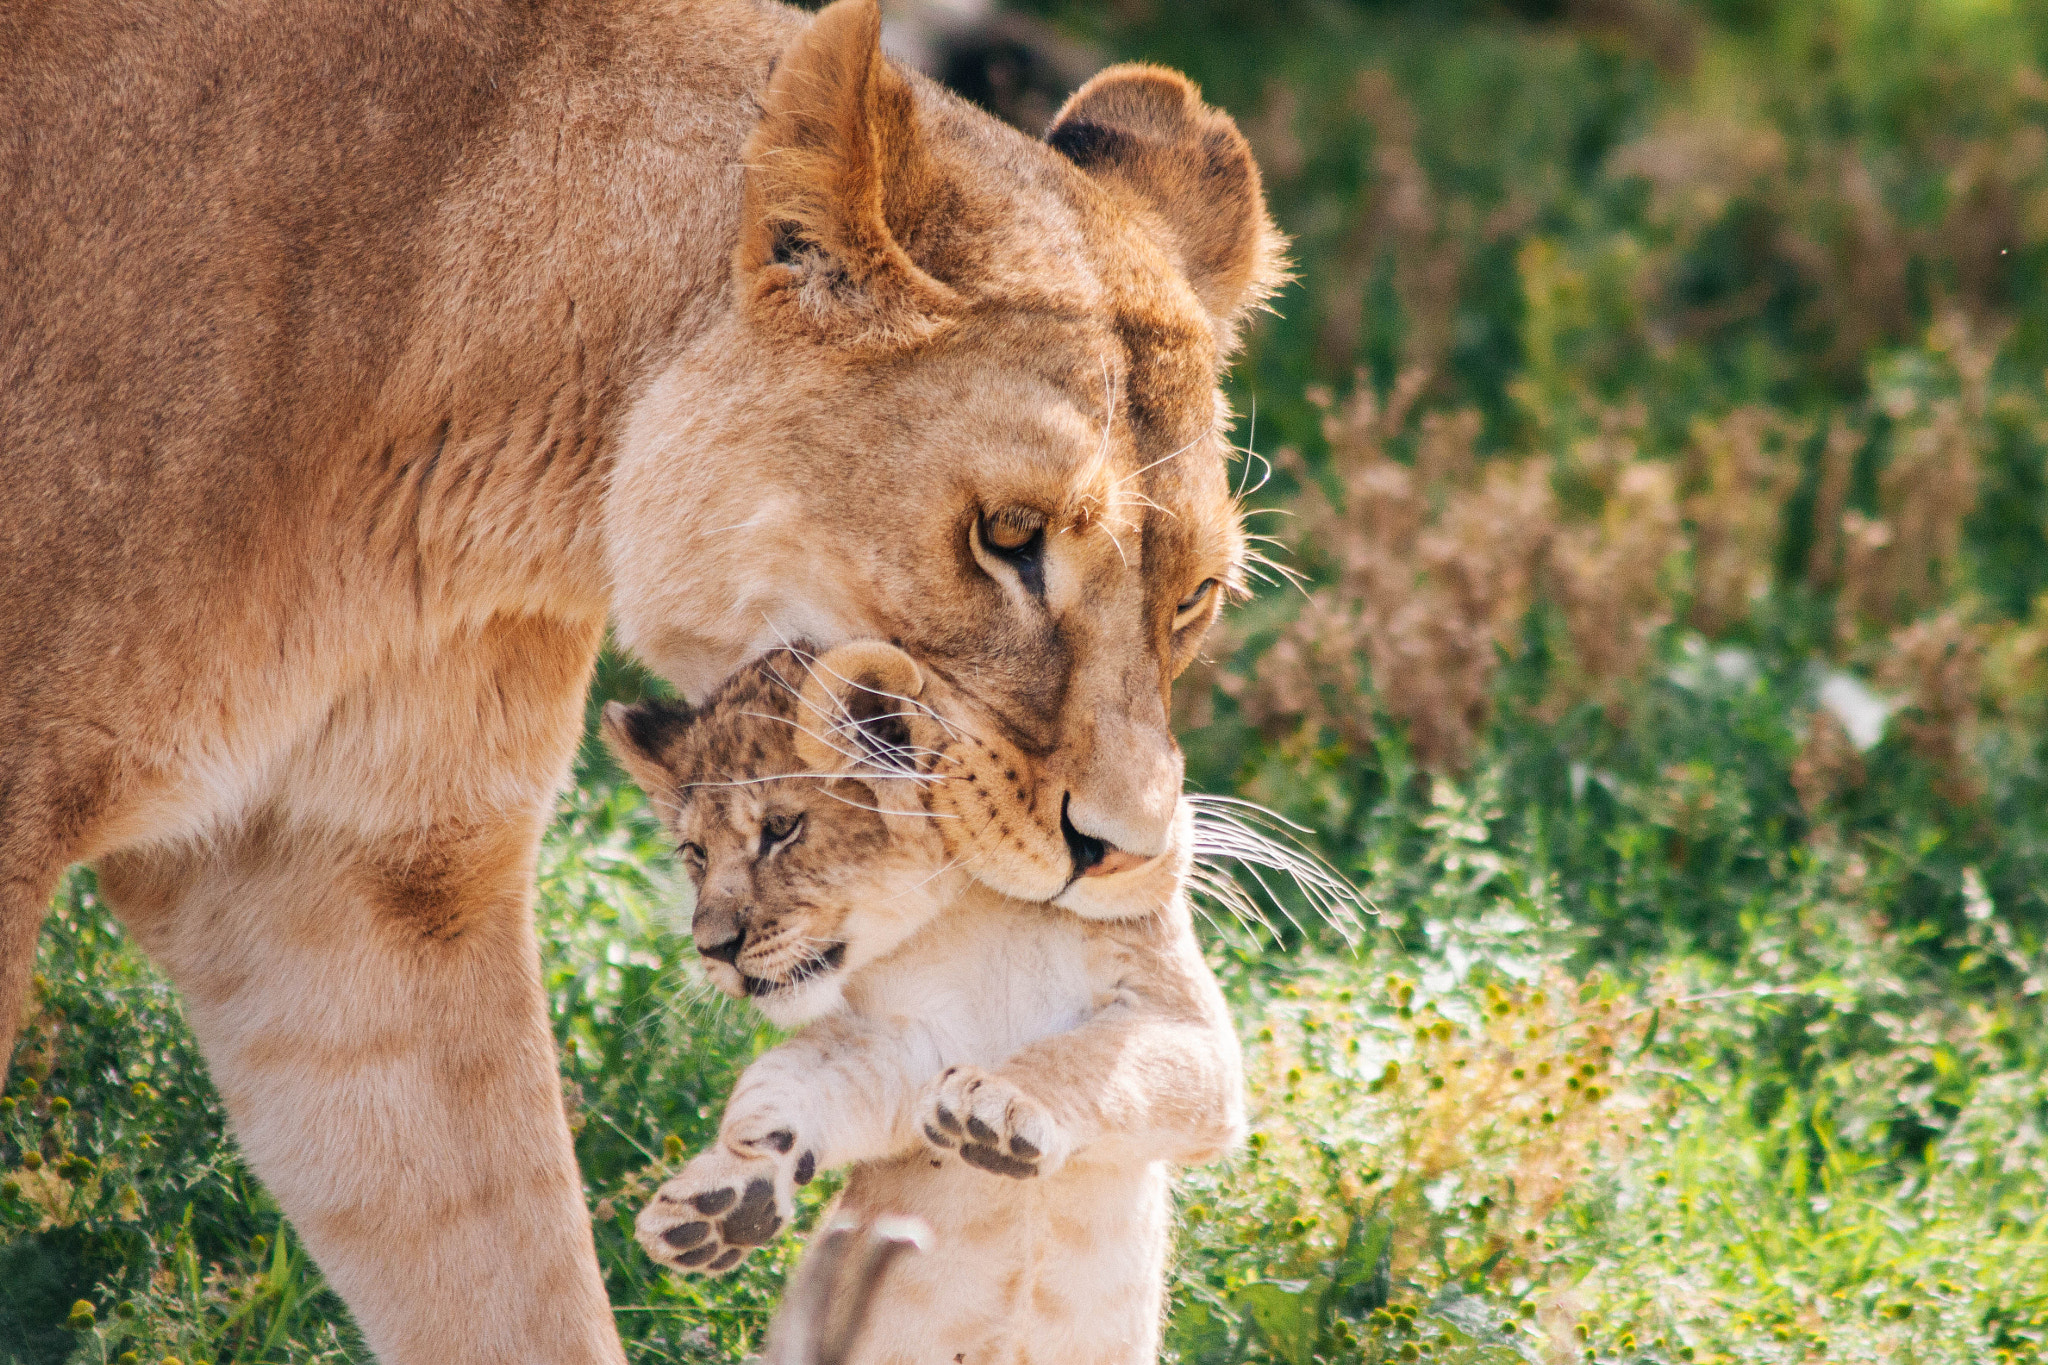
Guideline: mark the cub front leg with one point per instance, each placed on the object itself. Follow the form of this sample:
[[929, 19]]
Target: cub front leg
[[722, 1205], [841, 1091], [990, 1122], [740, 1192], [1154, 1075], [1136, 1086]]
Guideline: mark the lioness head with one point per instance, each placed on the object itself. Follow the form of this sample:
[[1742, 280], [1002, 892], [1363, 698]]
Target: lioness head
[[827, 807], [964, 399]]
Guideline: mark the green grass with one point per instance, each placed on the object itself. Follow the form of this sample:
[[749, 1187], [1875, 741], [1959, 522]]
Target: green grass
[[1681, 1035], [1806, 1146]]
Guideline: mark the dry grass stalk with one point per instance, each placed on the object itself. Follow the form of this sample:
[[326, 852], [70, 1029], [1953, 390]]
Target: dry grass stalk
[[1938, 664], [1900, 564], [1824, 217], [1904, 562], [1435, 566], [1866, 570], [1400, 220], [1830, 503], [1491, 1117], [2016, 669], [1607, 577], [1827, 767], [1742, 471], [1697, 166], [1271, 132], [1853, 248]]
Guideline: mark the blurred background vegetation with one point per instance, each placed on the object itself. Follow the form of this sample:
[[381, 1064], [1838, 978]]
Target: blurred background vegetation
[[1658, 434]]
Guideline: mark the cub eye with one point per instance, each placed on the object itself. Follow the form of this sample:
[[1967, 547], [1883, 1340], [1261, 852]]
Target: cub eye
[[1193, 604], [1015, 538], [694, 859], [778, 830]]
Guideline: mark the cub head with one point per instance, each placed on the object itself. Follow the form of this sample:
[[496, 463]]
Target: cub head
[[792, 795], [827, 808], [961, 395]]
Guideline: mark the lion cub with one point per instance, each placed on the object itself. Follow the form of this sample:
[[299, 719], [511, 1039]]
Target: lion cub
[[1017, 1076]]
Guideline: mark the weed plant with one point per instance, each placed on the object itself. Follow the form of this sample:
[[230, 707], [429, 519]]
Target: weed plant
[[1659, 437]]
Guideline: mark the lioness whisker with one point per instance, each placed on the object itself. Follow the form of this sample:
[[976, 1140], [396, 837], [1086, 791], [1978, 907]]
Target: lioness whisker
[[857, 756], [1325, 890], [878, 810], [1251, 439], [768, 777], [805, 659], [1228, 828], [1170, 455], [1258, 562], [1118, 543], [1211, 883]]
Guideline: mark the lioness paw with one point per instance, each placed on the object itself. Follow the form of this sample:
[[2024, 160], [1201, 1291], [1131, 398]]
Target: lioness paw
[[991, 1124], [721, 1206]]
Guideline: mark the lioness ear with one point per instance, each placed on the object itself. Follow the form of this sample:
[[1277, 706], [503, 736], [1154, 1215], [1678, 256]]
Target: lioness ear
[[835, 160], [858, 708], [1144, 130], [639, 737]]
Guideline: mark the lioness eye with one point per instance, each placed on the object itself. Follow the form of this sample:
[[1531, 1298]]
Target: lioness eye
[[1191, 605], [1015, 536], [779, 829], [694, 859]]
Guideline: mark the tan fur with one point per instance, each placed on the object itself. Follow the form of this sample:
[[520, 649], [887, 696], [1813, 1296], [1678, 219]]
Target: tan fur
[[356, 362], [1017, 1078]]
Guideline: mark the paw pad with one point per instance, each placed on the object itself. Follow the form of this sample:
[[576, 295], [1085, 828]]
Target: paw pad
[[755, 1220], [722, 1205]]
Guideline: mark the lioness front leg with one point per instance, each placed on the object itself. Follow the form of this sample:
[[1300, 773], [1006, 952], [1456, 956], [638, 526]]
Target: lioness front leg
[[839, 1092], [370, 1004]]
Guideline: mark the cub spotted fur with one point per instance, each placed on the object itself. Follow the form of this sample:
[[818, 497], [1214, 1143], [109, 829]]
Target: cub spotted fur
[[1017, 1076]]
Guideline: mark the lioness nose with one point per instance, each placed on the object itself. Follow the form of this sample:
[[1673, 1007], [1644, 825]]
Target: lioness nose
[[1087, 850], [727, 952], [1094, 857], [1127, 805]]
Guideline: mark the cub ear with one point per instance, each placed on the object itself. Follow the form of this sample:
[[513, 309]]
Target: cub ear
[[835, 164], [639, 737], [1144, 131], [859, 710]]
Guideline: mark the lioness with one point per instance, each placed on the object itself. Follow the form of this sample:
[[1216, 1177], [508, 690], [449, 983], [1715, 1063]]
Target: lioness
[[357, 361], [1015, 1076]]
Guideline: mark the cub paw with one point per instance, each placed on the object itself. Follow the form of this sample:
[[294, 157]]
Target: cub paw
[[991, 1124], [721, 1206]]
